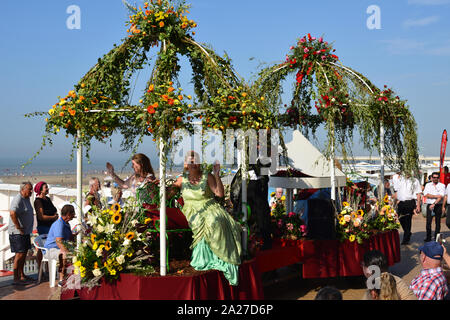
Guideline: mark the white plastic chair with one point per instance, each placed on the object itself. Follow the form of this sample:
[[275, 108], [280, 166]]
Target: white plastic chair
[[39, 242]]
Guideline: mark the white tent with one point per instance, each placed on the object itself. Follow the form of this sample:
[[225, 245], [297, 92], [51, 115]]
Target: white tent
[[303, 156]]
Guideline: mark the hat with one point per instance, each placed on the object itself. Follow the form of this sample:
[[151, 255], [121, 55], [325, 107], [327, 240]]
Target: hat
[[38, 187], [432, 249]]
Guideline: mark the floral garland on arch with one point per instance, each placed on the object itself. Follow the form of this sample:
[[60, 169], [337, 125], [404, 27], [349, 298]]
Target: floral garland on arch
[[107, 87], [320, 83], [237, 108], [344, 99], [164, 110]]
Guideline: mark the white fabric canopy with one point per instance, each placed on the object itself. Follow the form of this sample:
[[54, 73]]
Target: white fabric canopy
[[305, 157]]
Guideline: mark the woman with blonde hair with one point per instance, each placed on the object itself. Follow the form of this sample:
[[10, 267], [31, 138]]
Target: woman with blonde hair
[[388, 288], [216, 236]]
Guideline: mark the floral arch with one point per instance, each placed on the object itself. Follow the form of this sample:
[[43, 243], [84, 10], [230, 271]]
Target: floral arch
[[328, 93]]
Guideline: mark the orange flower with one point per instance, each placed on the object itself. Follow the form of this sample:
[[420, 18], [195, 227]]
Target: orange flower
[[184, 25], [151, 88], [151, 110], [170, 102], [72, 112], [155, 105], [180, 97], [165, 97], [61, 114], [161, 24], [170, 89], [178, 119]]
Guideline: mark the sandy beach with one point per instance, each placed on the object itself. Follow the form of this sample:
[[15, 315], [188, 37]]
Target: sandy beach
[[66, 180]]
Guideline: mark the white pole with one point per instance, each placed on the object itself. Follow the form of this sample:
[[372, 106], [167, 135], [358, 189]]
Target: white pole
[[162, 210], [79, 185], [243, 155], [381, 185], [333, 170]]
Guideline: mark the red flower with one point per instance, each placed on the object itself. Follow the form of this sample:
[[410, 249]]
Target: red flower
[[299, 77]]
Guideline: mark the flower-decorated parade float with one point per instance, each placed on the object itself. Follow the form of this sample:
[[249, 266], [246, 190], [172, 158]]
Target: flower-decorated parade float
[[141, 250]]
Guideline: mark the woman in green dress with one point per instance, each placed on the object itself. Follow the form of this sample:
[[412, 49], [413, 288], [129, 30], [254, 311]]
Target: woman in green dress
[[216, 236]]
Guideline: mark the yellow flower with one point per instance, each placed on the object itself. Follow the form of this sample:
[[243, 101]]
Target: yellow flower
[[115, 207], [386, 198], [360, 212], [112, 272], [283, 198], [77, 264], [160, 16], [341, 221], [345, 204], [272, 194], [352, 238], [95, 246], [147, 220], [116, 218], [108, 245], [51, 111]]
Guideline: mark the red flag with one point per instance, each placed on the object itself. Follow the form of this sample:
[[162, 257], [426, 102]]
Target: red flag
[[443, 147]]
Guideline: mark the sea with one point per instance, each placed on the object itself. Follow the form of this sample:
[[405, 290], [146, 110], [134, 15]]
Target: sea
[[18, 167]]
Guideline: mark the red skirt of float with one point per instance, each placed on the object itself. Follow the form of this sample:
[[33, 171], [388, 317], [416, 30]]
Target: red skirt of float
[[320, 259]]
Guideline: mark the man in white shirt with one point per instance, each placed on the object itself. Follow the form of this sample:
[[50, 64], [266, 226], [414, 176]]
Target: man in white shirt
[[408, 194], [446, 205], [435, 192]]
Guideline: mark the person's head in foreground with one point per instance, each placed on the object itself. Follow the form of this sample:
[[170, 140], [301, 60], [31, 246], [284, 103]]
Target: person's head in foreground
[[431, 255], [328, 293]]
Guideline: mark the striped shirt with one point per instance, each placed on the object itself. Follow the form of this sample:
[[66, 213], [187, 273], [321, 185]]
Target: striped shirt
[[430, 284]]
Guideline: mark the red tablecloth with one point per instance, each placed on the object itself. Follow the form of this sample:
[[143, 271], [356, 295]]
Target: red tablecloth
[[328, 258], [211, 285]]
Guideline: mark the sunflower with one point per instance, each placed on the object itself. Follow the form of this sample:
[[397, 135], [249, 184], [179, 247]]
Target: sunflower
[[93, 236], [386, 198], [147, 220], [108, 245], [116, 218], [345, 204], [360, 212], [115, 207], [130, 235], [352, 238]]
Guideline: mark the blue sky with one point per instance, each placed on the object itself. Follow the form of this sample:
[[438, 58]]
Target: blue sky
[[42, 59]]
